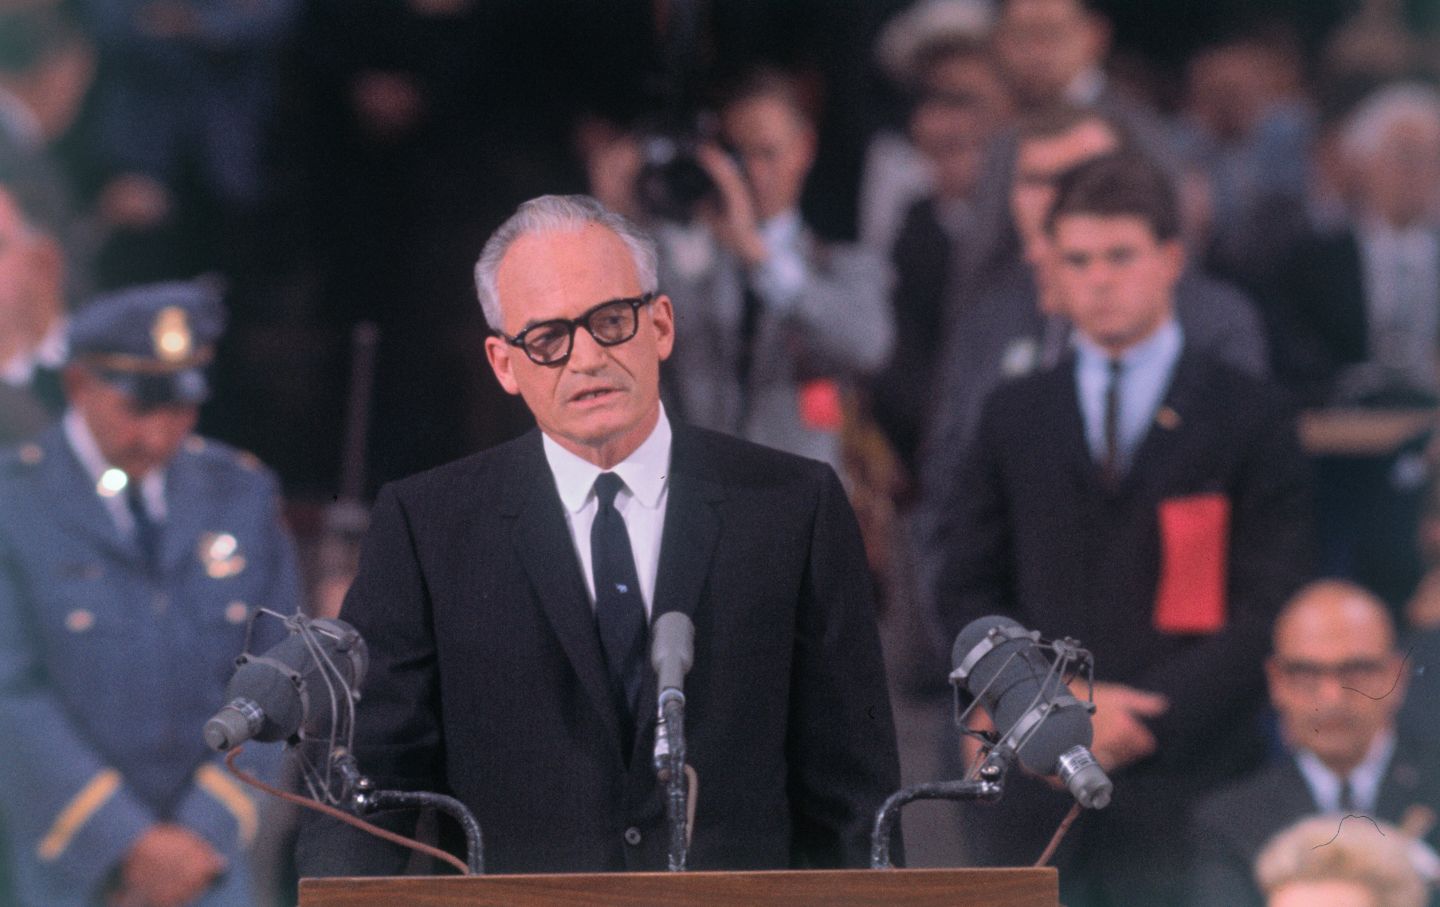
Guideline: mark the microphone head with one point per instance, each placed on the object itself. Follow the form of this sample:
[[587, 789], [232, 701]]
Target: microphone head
[[1012, 678], [273, 695], [975, 633], [672, 648]]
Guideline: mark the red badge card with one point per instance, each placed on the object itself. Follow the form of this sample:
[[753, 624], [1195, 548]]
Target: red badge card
[[1194, 539], [820, 407]]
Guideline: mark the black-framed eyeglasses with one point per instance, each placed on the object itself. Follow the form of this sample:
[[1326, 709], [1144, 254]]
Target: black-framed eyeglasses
[[610, 323], [1355, 673]]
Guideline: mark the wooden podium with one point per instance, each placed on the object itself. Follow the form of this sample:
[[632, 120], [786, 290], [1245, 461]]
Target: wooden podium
[[841, 888]]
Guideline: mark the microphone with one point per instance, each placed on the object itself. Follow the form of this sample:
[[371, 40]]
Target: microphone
[[672, 650], [274, 695], [998, 662]]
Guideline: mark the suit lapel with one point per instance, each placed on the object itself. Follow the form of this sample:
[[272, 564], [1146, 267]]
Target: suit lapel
[[542, 545], [1167, 430], [1069, 424], [692, 528], [1400, 788]]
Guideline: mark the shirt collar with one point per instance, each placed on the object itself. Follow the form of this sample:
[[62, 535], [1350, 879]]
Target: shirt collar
[[50, 352], [1160, 347], [87, 451], [1364, 778], [1373, 230], [645, 472], [784, 227], [1085, 89]]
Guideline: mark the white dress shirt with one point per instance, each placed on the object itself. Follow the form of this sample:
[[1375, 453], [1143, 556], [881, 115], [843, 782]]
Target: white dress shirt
[[1364, 779], [641, 502], [1146, 370], [1402, 299]]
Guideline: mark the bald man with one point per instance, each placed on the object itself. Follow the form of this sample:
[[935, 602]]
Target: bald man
[[1336, 682]]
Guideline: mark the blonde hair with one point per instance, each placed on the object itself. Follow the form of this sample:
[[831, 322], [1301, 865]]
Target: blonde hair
[[1375, 855]]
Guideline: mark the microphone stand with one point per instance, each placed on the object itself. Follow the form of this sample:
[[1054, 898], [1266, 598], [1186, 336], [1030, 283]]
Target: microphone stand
[[670, 768], [989, 786], [364, 799]]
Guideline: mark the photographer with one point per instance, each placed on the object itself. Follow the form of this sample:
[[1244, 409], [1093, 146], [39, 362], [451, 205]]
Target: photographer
[[776, 321]]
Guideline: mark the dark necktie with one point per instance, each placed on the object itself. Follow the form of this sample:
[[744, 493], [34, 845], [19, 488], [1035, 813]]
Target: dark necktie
[[1346, 799], [619, 610], [45, 387], [147, 533], [1110, 466]]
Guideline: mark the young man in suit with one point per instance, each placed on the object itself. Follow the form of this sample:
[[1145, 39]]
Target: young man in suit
[[1336, 681], [1149, 501], [506, 598]]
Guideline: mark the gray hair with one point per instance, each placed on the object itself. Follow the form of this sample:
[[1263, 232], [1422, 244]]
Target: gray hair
[[559, 214], [1382, 110]]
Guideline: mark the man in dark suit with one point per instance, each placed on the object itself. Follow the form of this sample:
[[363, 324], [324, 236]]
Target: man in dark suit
[[1337, 682], [1014, 325], [1149, 501], [1356, 318], [505, 598]]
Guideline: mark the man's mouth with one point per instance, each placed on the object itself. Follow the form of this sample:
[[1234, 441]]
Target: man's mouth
[[598, 393]]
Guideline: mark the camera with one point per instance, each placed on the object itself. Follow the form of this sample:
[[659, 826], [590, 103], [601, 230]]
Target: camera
[[671, 184]]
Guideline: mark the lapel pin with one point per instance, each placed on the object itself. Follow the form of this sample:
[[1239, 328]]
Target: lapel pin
[[1167, 418]]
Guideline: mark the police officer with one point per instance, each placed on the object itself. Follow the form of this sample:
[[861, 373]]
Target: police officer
[[132, 555]]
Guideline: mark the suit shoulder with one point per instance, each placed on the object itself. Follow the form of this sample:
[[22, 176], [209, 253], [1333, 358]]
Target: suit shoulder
[[1236, 390], [219, 458], [1240, 797], [742, 462], [491, 468]]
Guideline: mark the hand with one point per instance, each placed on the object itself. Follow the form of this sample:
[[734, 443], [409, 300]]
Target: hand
[[1121, 737], [169, 866], [735, 224]]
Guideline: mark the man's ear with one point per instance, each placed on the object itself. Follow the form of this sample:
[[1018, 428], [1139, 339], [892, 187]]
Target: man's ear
[[500, 356], [1174, 252], [662, 315]]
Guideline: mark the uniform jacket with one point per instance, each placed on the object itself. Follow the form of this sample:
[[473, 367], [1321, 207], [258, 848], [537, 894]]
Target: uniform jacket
[[107, 673], [487, 679]]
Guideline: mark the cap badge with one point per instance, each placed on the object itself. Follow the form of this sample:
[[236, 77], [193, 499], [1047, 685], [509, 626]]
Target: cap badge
[[171, 335]]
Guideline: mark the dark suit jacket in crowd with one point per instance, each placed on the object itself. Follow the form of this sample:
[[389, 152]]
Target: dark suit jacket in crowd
[[1318, 318], [1232, 825], [1037, 535], [487, 678], [1001, 337]]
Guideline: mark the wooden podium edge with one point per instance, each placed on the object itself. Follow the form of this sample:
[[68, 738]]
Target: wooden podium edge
[[1000, 887]]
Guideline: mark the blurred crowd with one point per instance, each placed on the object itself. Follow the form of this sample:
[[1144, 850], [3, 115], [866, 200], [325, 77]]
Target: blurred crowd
[[1120, 318]]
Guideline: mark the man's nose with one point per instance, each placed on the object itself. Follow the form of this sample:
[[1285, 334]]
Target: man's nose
[[586, 353]]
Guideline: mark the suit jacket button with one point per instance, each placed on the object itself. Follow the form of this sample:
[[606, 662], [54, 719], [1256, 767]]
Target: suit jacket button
[[632, 836]]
